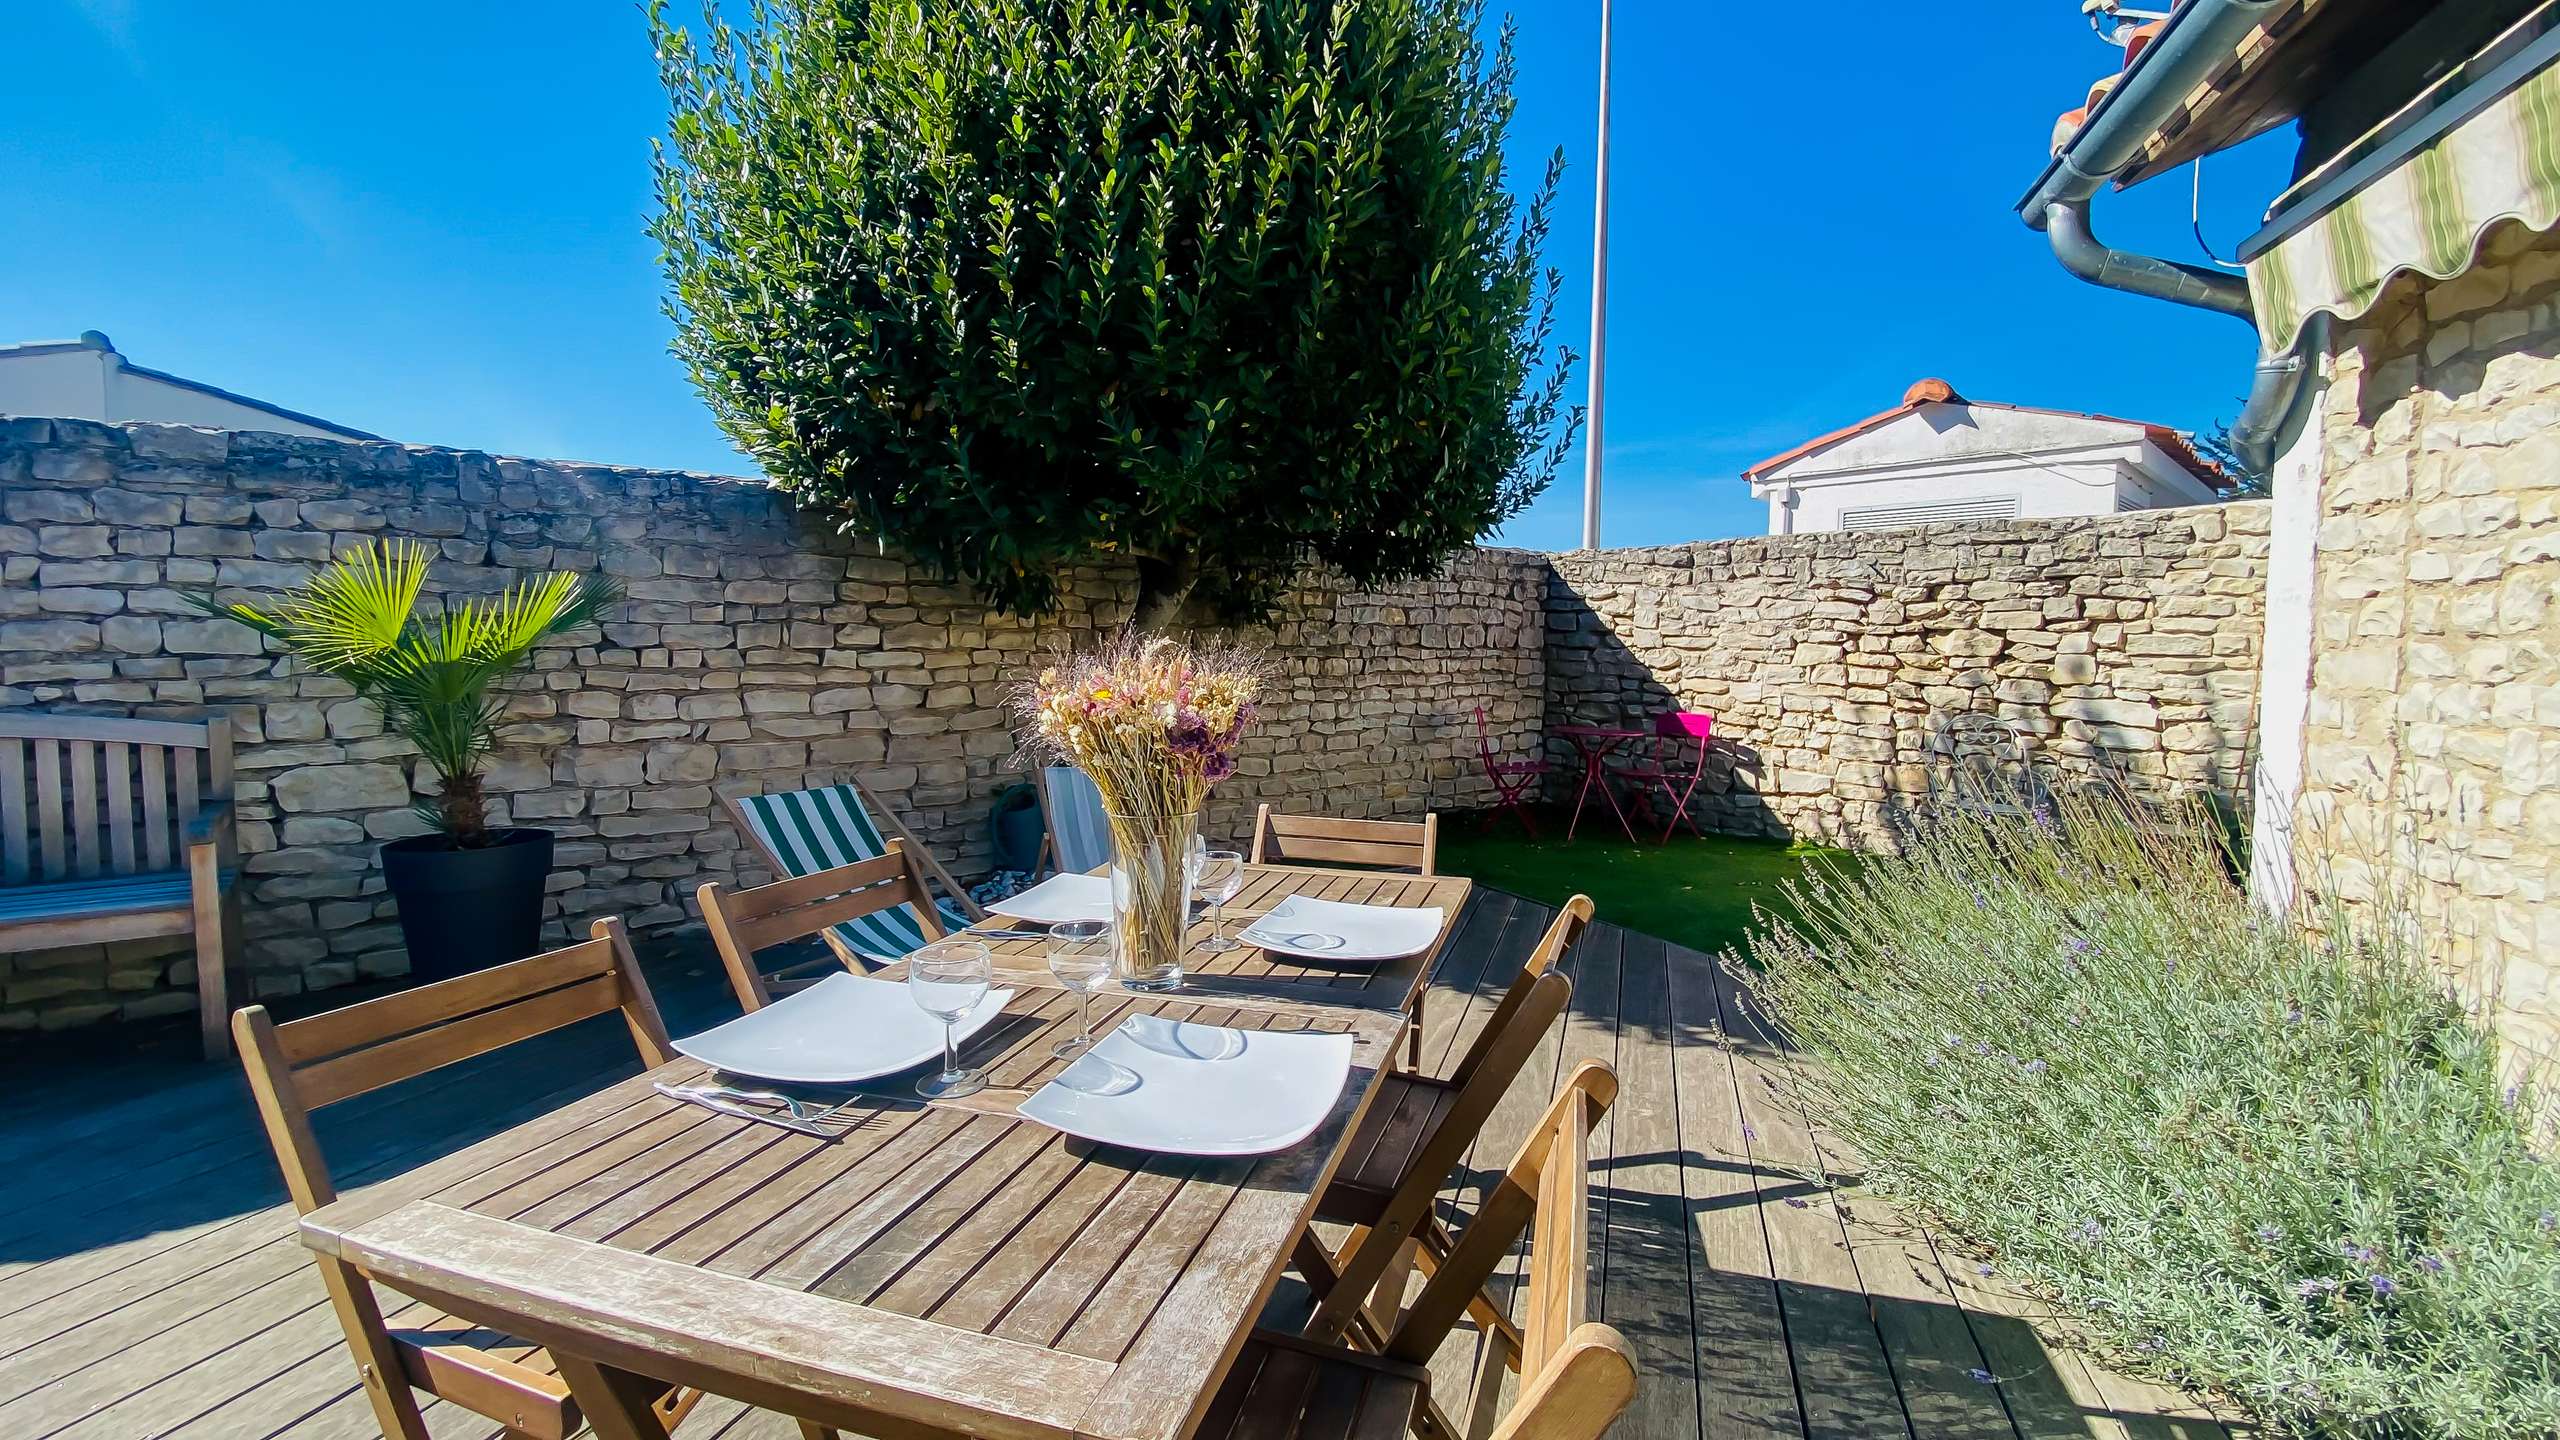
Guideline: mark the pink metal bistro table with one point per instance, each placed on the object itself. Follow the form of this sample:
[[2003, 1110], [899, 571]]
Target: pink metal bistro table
[[1597, 743]]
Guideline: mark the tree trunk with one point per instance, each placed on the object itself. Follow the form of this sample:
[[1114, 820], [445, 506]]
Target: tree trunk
[[1164, 585], [466, 811]]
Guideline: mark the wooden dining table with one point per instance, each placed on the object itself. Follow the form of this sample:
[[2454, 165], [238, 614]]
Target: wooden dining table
[[940, 1268]]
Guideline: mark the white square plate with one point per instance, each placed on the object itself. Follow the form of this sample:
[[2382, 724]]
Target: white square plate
[[1331, 930], [1059, 898], [842, 1029], [1178, 1089]]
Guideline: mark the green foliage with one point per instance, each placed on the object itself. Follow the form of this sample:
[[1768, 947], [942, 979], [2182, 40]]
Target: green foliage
[[2248, 482], [1221, 286], [358, 621], [2283, 1167]]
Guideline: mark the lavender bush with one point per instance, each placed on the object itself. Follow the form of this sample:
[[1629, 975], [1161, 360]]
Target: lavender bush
[[2282, 1167]]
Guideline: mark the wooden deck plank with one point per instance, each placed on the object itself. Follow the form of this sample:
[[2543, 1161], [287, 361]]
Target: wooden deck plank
[[1843, 1378], [1746, 1376], [1645, 1232], [194, 1313]]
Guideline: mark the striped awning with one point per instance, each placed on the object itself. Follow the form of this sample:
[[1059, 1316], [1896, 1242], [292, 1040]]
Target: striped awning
[[2427, 214]]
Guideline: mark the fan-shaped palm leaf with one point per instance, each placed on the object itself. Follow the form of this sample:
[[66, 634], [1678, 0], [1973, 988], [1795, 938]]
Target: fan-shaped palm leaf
[[358, 620]]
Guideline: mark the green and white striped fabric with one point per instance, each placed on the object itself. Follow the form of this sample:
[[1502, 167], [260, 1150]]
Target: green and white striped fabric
[[1079, 832], [2428, 214], [821, 829]]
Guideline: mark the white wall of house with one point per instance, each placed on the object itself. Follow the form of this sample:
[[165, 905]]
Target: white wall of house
[[1968, 462], [86, 379]]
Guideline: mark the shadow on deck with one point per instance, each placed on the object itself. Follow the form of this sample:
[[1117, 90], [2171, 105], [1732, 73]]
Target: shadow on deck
[[150, 1283]]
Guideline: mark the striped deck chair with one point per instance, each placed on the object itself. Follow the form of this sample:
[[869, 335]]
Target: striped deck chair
[[802, 832], [1075, 835]]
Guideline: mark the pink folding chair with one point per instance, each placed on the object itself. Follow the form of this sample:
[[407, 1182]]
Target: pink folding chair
[[1661, 769], [1513, 780]]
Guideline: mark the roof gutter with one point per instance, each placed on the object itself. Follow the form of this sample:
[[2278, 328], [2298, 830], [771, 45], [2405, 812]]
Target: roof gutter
[[2199, 39]]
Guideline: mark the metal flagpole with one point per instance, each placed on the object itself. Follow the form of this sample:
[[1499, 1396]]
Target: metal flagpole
[[1599, 305]]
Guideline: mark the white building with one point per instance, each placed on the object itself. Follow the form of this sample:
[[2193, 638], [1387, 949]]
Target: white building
[[1938, 457], [85, 379]]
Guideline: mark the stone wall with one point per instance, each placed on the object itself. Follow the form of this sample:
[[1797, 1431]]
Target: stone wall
[[755, 653], [1838, 666], [2431, 745]]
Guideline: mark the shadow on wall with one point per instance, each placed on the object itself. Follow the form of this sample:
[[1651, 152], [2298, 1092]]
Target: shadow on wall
[[1594, 678], [1850, 674]]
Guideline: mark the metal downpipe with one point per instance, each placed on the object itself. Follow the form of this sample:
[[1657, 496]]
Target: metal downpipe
[[2279, 394], [2066, 225]]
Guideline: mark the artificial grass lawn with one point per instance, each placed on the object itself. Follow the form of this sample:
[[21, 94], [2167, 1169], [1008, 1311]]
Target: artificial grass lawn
[[1691, 891]]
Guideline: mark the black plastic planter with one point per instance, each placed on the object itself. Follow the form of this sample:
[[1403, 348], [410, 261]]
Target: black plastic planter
[[466, 910]]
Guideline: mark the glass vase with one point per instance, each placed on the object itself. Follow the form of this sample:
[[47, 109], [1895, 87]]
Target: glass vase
[[1151, 879]]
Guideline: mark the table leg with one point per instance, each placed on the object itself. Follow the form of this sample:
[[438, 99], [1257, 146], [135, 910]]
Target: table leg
[[1611, 792], [616, 1402], [1590, 773]]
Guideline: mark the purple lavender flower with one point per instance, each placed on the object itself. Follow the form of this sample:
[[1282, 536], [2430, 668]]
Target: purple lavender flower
[[2035, 1067], [1748, 1133], [2314, 1288], [2432, 1264], [2088, 1232], [2171, 968], [1982, 1268], [1795, 1202], [2269, 1235], [2079, 944], [2383, 1285], [2512, 1095], [2293, 1012], [2548, 1223], [2361, 1254]]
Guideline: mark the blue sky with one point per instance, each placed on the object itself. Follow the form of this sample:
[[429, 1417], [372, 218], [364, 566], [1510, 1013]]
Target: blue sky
[[431, 228]]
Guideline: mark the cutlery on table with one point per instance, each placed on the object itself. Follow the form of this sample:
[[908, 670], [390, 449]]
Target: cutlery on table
[[740, 1105]]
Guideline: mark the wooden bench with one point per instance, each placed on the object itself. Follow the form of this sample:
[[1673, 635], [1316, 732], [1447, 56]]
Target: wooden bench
[[116, 829]]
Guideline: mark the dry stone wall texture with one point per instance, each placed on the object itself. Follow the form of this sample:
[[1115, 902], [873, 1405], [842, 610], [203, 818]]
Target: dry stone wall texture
[[2432, 735], [1842, 669], [755, 653]]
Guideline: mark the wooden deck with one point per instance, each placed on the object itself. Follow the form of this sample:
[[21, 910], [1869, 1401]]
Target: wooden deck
[[150, 1284]]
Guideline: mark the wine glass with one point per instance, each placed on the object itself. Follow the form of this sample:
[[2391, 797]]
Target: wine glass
[[1221, 876], [947, 979], [1080, 956]]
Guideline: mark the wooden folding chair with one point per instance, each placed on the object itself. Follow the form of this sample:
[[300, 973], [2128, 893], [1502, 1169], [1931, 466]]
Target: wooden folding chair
[[827, 827], [300, 1067], [1075, 831], [1322, 840], [1577, 1376], [842, 905], [1410, 1141]]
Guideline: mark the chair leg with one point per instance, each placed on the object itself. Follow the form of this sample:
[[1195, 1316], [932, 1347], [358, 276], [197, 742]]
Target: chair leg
[[386, 1381], [213, 951], [1434, 1247]]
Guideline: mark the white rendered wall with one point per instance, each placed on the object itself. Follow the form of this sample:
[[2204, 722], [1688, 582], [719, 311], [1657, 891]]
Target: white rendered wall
[[2284, 678], [68, 382], [82, 383]]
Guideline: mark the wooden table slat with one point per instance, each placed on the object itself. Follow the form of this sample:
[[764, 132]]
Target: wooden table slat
[[697, 1248]]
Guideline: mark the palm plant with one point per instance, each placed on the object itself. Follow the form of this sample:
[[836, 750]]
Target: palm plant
[[431, 675]]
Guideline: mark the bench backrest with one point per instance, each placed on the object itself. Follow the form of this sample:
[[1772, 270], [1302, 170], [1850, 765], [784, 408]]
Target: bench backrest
[[83, 797]]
